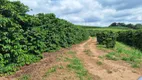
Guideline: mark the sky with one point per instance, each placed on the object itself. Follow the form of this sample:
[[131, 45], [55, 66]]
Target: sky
[[90, 12]]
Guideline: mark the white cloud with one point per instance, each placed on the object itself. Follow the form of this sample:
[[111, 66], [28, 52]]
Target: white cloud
[[89, 12], [139, 18]]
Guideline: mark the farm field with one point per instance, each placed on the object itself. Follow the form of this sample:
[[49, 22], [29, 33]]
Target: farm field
[[84, 61], [114, 29], [39, 42]]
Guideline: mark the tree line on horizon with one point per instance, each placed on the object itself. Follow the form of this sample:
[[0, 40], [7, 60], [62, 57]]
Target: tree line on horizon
[[133, 26]]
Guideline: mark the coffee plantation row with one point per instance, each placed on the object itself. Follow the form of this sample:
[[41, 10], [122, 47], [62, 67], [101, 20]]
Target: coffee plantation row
[[107, 38], [24, 37], [130, 37]]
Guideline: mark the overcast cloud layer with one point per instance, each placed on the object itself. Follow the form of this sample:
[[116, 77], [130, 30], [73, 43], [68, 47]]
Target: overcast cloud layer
[[90, 12]]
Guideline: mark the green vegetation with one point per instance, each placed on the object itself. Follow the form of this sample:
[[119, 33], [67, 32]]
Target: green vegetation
[[132, 26], [123, 52], [85, 26], [111, 29], [24, 37], [107, 38], [70, 64], [126, 34], [77, 66], [99, 63], [51, 70], [93, 33], [94, 30], [24, 77], [114, 29], [126, 53], [88, 52], [132, 38]]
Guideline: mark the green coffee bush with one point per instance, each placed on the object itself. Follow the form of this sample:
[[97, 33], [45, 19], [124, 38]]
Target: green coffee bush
[[132, 38], [107, 38], [24, 37], [93, 33]]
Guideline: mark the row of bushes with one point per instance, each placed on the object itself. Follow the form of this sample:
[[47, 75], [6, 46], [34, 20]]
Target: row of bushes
[[107, 38], [23, 37], [132, 38], [104, 37], [93, 33]]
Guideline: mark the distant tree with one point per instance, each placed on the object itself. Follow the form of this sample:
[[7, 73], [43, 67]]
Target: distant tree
[[130, 26], [122, 24], [113, 24], [118, 24], [138, 26]]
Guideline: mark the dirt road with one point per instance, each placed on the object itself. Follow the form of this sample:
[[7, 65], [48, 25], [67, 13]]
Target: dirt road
[[105, 69], [89, 54]]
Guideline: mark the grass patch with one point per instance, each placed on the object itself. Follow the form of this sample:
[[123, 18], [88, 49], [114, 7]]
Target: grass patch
[[51, 70], [76, 66], [101, 57], [102, 47], [93, 38], [114, 29], [111, 56], [25, 77], [73, 64], [71, 52], [126, 53], [99, 63], [88, 52]]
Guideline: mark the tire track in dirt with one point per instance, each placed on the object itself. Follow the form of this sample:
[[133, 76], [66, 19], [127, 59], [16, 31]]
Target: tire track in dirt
[[109, 70]]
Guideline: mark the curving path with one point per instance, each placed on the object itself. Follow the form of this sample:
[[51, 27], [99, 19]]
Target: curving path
[[106, 70]]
